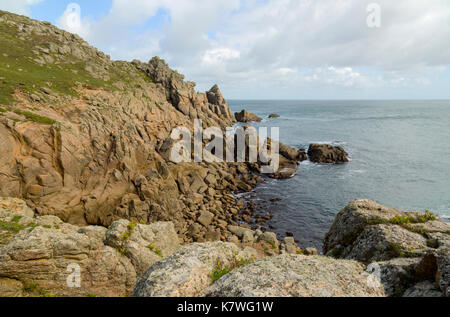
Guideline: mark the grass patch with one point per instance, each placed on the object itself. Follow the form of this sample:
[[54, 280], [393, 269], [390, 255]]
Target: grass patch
[[155, 250], [11, 227], [34, 289], [16, 219], [35, 118], [222, 270]]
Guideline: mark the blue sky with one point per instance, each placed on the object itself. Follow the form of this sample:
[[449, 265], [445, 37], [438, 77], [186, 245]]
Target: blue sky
[[273, 49]]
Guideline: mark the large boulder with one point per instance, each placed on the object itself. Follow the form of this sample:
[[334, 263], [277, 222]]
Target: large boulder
[[405, 247], [144, 245], [296, 276], [39, 254], [326, 153], [383, 242], [359, 214], [291, 153], [245, 116], [188, 272]]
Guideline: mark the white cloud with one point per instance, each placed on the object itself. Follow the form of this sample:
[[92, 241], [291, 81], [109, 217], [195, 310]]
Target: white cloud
[[71, 21], [18, 6], [247, 42]]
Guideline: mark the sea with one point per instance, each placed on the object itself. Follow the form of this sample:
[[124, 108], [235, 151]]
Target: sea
[[399, 157]]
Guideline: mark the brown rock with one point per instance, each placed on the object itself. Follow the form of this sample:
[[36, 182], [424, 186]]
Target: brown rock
[[325, 153]]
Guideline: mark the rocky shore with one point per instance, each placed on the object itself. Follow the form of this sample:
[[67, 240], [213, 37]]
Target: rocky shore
[[88, 184], [371, 250]]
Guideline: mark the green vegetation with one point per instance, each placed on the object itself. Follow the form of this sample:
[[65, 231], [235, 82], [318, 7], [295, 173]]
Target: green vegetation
[[222, 270], [35, 290], [125, 236], [219, 271], [395, 250], [155, 249], [35, 118], [91, 295], [447, 232], [11, 226], [29, 65], [16, 219], [32, 226]]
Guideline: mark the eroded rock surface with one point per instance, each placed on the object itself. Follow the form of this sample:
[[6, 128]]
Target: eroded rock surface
[[408, 247], [187, 273], [326, 153], [296, 276], [245, 116], [38, 254]]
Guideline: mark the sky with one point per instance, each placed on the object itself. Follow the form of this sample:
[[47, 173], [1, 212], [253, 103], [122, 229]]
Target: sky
[[273, 49]]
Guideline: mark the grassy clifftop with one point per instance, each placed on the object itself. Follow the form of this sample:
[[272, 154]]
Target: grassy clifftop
[[37, 58]]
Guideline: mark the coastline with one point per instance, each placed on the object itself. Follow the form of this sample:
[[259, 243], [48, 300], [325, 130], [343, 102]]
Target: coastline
[[92, 204]]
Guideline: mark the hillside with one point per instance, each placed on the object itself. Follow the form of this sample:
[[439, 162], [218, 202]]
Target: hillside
[[82, 136]]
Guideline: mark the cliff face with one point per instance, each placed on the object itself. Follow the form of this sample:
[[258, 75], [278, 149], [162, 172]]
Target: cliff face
[[82, 136]]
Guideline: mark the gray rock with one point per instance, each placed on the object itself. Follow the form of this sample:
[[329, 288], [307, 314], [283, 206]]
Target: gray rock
[[238, 231], [187, 272], [384, 242], [296, 276], [271, 238], [396, 275], [144, 245], [423, 289]]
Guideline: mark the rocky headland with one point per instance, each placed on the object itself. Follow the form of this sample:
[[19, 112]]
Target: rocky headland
[[88, 183]]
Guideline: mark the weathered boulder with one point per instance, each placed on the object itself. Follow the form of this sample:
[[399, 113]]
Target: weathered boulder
[[423, 289], [284, 173], [410, 247], [352, 220], [296, 276], [187, 273], [144, 245], [326, 153], [384, 242], [245, 116], [291, 153], [397, 274], [39, 254], [17, 205]]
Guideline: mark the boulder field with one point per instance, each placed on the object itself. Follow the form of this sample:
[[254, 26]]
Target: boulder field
[[370, 251]]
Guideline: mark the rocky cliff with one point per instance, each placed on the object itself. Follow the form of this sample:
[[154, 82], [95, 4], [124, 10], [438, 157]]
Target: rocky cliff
[[86, 138]]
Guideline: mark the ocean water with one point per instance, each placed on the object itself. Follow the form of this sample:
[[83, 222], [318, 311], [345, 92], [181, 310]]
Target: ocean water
[[400, 157]]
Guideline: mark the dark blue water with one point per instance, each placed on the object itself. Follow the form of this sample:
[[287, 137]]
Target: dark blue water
[[400, 157]]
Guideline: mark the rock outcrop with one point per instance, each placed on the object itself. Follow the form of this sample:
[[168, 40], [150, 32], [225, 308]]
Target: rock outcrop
[[274, 115], [296, 276], [245, 116], [326, 153], [39, 254], [188, 272], [408, 247]]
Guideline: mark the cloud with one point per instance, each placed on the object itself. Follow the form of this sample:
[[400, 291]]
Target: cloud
[[289, 43], [71, 21], [18, 6]]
